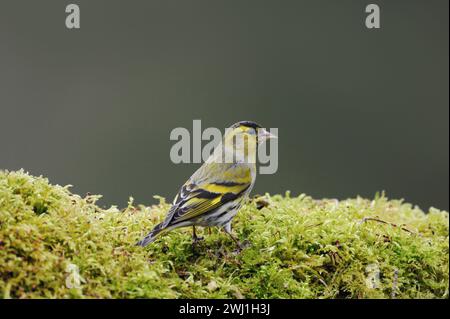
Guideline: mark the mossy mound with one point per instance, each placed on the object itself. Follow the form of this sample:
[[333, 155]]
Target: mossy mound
[[55, 244]]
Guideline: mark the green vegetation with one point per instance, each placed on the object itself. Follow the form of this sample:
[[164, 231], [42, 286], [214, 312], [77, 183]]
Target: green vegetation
[[55, 244]]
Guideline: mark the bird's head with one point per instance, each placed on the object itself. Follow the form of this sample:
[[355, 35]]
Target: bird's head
[[244, 137]]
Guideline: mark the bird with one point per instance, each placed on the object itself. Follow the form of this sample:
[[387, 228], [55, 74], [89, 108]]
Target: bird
[[213, 195]]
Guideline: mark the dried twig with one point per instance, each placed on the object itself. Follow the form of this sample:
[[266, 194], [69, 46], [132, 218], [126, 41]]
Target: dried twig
[[365, 219]]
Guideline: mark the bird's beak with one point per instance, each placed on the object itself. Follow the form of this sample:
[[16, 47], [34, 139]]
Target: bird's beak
[[265, 135]]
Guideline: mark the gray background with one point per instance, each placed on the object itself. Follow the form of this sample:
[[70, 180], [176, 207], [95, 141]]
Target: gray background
[[358, 110]]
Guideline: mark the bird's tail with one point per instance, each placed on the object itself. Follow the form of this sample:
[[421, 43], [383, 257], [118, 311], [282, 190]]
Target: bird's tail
[[158, 230]]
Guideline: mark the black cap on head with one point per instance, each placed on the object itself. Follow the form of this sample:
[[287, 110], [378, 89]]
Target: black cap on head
[[247, 124]]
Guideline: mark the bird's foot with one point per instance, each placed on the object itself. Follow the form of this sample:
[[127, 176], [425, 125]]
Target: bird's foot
[[197, 239], [241, 246]]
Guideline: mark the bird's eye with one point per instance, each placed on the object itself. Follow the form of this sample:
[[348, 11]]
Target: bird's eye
[[244, 130]]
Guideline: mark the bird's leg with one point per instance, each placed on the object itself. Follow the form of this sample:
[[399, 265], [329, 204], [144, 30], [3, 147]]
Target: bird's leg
[[238, 243], [227, 229], [209, 231], [195, 238]]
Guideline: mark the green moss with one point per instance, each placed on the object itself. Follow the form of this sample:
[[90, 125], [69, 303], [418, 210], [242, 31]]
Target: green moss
[[57, 244]]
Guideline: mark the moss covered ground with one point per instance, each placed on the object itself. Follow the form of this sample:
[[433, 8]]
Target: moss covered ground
[[56, 244]]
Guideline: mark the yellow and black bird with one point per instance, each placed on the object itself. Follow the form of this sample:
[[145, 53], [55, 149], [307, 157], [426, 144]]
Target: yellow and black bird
[[215, 192]]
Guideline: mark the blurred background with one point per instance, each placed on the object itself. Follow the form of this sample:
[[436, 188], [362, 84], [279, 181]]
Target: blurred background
[[358, 110]]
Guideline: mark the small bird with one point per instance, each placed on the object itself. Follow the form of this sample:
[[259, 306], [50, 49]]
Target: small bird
[[216, 191]]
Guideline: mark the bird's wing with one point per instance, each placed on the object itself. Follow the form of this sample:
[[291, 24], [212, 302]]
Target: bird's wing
[[201, 193]]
